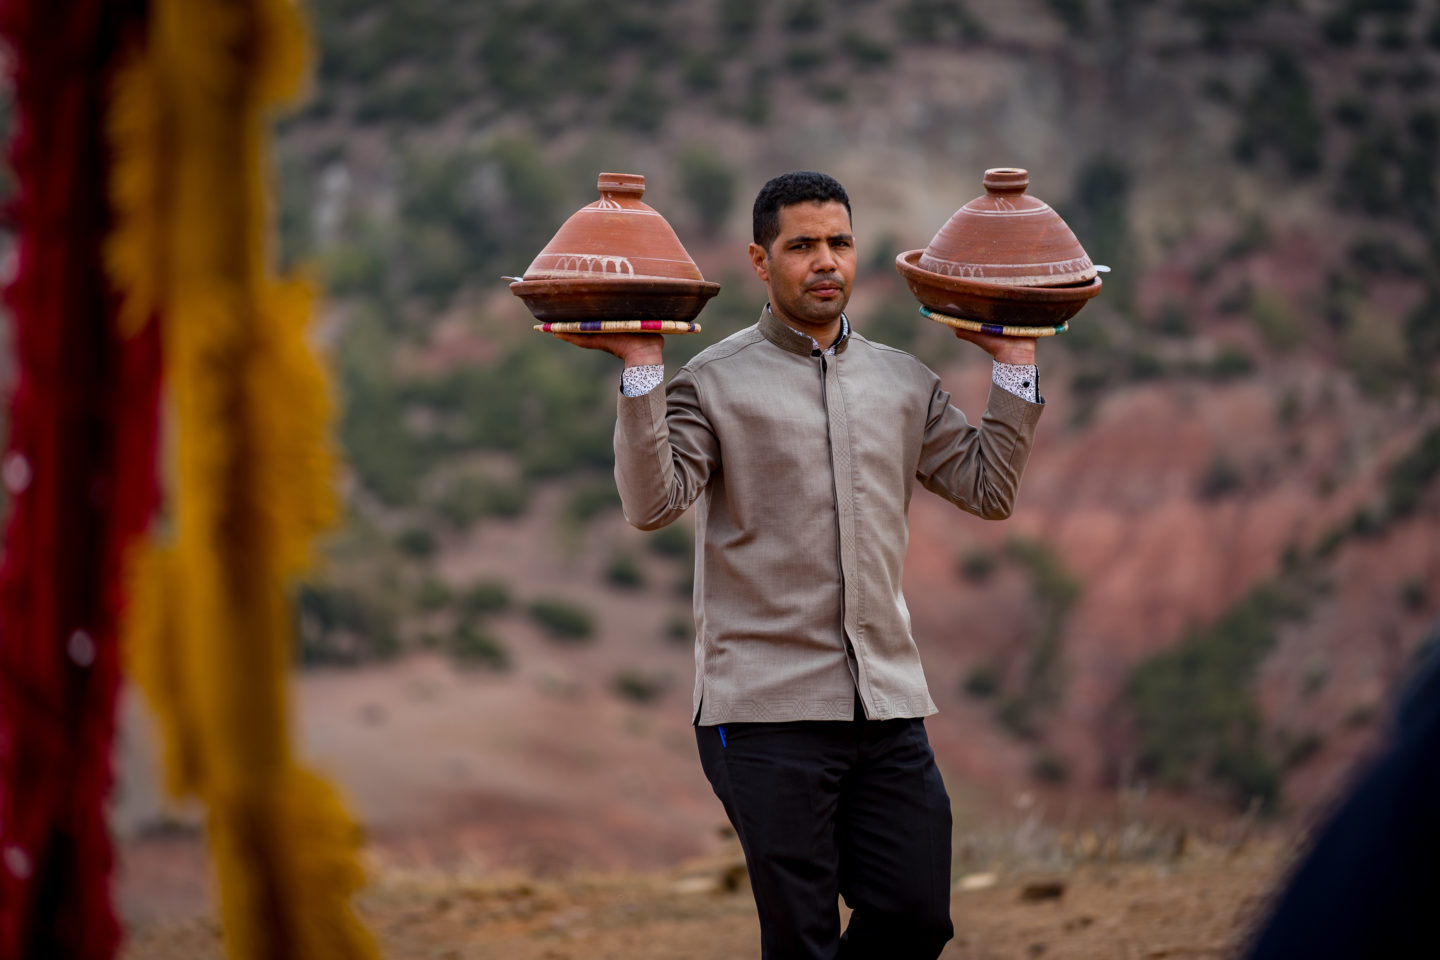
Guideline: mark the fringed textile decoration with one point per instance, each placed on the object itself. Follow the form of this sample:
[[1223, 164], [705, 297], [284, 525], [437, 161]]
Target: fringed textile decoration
[[80, 475], [210, 641]]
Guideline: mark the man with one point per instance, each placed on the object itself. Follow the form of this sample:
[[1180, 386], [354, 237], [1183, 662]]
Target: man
[[797, 441]]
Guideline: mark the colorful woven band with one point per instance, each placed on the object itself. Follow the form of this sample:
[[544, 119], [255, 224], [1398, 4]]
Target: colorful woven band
[[619, 326], [976, 326]]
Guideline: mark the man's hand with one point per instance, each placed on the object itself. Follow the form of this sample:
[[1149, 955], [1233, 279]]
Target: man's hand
[[1016, 350], [636, 349]]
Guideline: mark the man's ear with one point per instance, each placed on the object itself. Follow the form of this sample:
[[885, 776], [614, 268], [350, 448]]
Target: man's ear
[[760, 262]]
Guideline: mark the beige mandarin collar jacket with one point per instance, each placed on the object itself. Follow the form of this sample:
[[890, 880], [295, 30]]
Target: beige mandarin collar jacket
[[800, 467]]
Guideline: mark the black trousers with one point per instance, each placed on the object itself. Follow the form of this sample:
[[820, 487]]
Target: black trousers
[[849, 808]]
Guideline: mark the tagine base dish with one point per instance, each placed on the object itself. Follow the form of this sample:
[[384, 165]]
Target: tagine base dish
[[976, 326], [619, 326], [614, 298], [996, 304]]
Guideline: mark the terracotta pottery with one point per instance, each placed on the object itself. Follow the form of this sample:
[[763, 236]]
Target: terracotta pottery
[[1008, 237], [1005, 259], [615, 259], [997, 303]]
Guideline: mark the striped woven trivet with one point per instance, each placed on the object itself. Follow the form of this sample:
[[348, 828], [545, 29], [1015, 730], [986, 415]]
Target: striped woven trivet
[[975, 326], [619, 326]]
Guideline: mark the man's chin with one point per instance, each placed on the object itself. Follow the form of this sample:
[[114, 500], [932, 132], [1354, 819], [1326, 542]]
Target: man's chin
[[824, 311]]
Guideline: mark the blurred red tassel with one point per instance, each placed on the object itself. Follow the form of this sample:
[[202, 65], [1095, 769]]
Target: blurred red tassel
[[79, 473]]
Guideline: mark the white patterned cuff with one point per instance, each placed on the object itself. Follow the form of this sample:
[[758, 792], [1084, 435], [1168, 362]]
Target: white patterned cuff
[[638, 381], [1023, 380]]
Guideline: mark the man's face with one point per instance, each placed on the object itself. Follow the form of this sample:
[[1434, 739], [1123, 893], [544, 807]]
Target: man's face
[[810, 266]]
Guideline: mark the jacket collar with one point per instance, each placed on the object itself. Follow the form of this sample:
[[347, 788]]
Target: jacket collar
[[786, 338]]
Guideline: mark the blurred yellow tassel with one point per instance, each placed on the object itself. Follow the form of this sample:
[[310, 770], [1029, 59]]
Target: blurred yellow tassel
[[209, 638]]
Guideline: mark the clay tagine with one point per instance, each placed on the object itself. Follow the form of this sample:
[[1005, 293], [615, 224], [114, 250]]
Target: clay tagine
[[1005, 258], [615, 264]]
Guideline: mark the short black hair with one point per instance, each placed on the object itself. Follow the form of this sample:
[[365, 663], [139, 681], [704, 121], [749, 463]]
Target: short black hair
[[802, 186]]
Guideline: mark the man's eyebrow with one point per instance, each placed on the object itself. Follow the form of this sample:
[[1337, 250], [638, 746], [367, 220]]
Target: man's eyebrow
[[806, 238]]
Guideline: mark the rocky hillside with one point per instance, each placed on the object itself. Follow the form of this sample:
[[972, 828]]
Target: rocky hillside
[[1228, 544]]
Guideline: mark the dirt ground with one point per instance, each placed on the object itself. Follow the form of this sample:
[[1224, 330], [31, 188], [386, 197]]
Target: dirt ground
[[1198, 904]]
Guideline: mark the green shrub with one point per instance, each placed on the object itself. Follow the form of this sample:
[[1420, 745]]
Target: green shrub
[[624, 571], [1231, 363], [739, 18], [1016, 715], [1048, 767], [589, 501], [1275, 322], [1173, 320], [938, 21], [1414, 595], [1422, 332], [1100, 200], [433, 594], [755, 106], [1393, 37], [1342, 28], [1379, 256], [1074, 14], [1221, 479], [1352, 112], [1367, 181], [708, 183], [642, 108], [339, 625], [679, 630], [1412, 475], [976, 565], [982, 682], [672, 540], [1053, 585], [484, 597], [470, 647], [639, 687], [562, 620], [1316, 679], [417, 542], [1343, 293], [387, 458], [700, 73], [1194, 706], [472, 498], [1143, 365], [1302, 749], [804, 58], [1251, 775], [803, 16], [1360, 716], [866, 51], [1279, 116]]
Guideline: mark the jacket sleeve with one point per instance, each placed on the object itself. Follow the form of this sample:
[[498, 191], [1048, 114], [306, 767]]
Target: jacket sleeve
[[978, 468], [665, 452]]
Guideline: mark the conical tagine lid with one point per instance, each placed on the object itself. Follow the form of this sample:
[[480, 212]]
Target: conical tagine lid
[[617, 237], [1008, 237]]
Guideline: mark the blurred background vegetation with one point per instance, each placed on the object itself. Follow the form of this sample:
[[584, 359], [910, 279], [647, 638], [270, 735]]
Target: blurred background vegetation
[[1185, 141]]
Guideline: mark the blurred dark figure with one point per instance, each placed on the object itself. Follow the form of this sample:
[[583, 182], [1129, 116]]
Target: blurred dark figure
[[1368, 887]]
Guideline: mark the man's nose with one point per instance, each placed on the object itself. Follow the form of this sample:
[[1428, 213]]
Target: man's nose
[[824, 258]]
